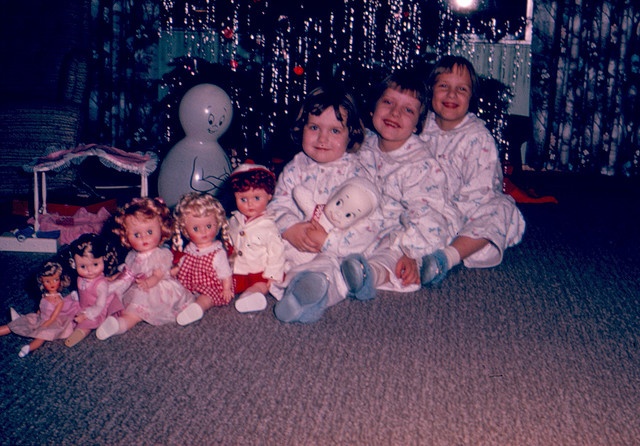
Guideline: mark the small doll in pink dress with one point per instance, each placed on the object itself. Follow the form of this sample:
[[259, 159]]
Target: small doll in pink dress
[[95, 259], [54, 319], [149, 292], [203, 266]]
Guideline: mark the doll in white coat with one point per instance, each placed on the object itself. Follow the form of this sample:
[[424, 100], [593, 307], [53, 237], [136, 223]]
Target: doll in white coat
[[257, 247]]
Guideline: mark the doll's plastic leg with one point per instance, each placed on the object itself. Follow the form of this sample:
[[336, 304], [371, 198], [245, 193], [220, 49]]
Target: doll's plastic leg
[[248, 302], [359, 277], [108, 328], [305, 299], [193, 312], [78, 335], [434, 268]]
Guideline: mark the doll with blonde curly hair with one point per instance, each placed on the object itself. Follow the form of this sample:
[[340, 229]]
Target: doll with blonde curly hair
[[149, 292], [204, 267]]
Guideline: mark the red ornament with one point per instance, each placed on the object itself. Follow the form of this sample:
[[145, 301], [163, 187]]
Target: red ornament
[[298, 70], [227, 33], [233, 63]]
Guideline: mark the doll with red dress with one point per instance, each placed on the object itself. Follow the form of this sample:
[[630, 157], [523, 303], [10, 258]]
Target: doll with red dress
[[203, 267]]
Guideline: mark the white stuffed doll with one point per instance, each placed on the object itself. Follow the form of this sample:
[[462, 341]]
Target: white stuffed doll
[[354, 200]]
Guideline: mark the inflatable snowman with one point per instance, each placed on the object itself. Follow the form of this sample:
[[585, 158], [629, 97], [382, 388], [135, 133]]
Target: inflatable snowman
[[197, 162]]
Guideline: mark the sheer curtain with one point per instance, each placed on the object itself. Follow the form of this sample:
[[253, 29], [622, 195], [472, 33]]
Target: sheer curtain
[[584, 86]]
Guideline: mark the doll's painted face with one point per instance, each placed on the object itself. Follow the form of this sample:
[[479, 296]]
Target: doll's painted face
[[201, 231], [51, 283], [143, 234], [252, 202], [348, 205], [89, 267]]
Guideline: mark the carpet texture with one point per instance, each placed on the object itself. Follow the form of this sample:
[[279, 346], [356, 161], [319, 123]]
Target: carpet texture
[[541, 350]]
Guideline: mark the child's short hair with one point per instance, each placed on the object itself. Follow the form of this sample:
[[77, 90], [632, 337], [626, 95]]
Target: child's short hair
[[406, 81], [447, 64], [252, 176], [49, 269], [335, 96], [98, 246], [198, 205], [144, 209]]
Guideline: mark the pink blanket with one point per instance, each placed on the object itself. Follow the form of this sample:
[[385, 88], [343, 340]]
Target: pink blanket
[[73, 227]]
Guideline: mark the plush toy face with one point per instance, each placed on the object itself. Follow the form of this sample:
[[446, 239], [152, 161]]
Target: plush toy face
[[348, 205]]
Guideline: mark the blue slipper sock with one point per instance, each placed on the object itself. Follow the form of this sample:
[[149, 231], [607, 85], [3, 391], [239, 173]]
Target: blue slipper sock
[[359, 277], [305, 299], [434, 268]]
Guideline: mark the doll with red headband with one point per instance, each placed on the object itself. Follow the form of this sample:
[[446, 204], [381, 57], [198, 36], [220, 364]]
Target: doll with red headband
[[258, 249]]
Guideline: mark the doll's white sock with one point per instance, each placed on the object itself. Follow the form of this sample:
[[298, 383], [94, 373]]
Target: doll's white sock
[[24, 351], [453, 256]]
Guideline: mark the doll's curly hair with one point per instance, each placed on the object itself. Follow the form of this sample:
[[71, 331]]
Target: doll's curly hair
[[51, 269], [335, 96], [98, 246], [198, 205], [144, 209], [253, 179]]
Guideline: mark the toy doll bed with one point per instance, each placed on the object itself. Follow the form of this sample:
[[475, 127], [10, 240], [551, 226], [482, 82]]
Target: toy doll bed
[[137, 163]]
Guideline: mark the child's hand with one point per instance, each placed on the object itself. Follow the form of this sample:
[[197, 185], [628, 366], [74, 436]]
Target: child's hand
[[80, 317], [297, 235], [407, 271], [317, 234]]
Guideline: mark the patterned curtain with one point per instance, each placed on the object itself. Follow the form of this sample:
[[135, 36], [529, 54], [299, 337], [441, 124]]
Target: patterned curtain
[[125, 90], [584, 86]]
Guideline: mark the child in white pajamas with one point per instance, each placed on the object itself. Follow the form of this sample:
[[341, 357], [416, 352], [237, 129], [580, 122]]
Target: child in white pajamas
[[489, 221]]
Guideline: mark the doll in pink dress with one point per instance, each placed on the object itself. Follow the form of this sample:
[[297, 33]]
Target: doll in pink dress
[[149, 292], [54, 319], [95, 259], [203, 267]]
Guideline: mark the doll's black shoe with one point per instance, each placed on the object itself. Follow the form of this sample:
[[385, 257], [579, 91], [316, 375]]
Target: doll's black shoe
[[359, 277], [305, 299], [434, 268]]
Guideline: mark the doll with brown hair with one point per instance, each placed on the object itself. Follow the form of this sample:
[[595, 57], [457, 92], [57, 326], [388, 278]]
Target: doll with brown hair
[[258, 249], [204, 268], [95, 259], [149, 292], [54, 319]]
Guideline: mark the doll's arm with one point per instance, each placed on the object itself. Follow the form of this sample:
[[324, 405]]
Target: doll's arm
[[94, 311], [227, 288], [149, 282], [55, 313]]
